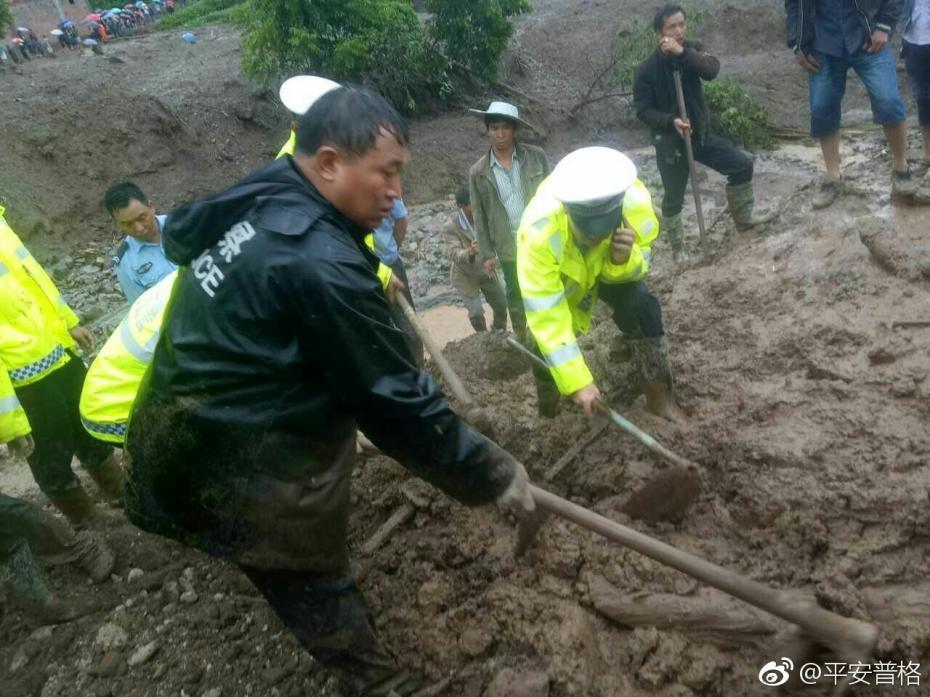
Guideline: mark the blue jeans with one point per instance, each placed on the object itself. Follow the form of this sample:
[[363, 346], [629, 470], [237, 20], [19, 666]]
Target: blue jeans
[[828, 85]]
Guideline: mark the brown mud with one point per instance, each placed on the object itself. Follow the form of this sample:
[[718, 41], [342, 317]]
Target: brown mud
[[807, 406]]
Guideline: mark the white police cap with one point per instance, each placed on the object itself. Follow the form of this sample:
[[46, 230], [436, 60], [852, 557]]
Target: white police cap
[[592, 174], [590, 182], [298, 93]]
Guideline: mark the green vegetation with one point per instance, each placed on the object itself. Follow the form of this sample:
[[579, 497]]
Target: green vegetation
[[735, 114], [473, 33], [201, 12], [380, 43], [6, 17]]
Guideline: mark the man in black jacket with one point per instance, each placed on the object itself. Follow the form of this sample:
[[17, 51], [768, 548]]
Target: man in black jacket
[[657, 106], [828, 38], [277, 343]]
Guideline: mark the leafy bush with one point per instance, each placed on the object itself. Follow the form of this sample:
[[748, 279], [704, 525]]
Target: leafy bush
[[6, 17], [374, 42], [201, 12], [474, 33], [735, 114]]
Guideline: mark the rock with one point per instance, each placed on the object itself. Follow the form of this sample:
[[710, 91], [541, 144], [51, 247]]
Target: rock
[[475, 641], [110, 636], [522, 683], [143, 654], [109, 666], [213, 692], [189, 597]]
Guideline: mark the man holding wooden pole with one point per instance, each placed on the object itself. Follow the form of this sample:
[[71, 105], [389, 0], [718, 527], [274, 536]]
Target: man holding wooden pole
[[657, 106]]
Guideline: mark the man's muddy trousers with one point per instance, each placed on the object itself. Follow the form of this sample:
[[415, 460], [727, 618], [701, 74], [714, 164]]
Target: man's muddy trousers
[[330, 618], [637, 314]]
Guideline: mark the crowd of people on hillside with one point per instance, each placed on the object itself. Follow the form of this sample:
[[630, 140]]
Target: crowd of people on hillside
[[97, 28]]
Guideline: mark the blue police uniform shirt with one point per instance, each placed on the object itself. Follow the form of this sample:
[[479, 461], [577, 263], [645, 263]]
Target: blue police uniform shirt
[[385, 244], [140, 265]]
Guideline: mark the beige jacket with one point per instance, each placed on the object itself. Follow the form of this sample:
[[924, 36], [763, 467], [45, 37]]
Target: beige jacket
[[495, 238], [464, 272]]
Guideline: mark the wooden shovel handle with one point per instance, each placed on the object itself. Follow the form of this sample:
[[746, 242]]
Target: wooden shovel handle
[[456, 385], [849, 638]]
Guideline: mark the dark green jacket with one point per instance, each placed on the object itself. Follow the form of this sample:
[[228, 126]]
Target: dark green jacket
[[495, 238]]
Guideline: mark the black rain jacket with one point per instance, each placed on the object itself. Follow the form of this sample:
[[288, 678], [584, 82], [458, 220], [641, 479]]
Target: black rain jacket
[[655, 100], [874, 14], [277, 342]]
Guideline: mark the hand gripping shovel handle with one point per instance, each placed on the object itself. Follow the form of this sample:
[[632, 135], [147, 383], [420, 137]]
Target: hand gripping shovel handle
[[617, 419], [458, 389], [849, 638]]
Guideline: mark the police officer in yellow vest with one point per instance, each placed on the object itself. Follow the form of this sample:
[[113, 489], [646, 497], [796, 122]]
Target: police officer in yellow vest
[[588, 233], [40, 384], [114, 377]]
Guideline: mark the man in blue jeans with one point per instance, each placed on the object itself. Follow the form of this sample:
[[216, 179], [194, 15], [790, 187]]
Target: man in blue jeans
[[829, 37]]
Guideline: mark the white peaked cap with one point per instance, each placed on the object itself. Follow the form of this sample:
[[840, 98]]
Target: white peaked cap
[[592, 174], [298, 93]]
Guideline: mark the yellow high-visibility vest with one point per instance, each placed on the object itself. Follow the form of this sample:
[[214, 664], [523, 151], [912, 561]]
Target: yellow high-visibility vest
[[559, 283], [34, 328], [114, 377]]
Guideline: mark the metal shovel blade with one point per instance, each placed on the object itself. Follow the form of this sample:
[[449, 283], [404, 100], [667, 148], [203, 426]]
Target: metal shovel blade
[[667, 497]]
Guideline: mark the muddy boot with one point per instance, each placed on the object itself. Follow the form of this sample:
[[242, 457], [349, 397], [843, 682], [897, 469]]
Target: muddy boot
[[478, 323], [903, 185], [499, 321], [22, 575], [650, 357], [77, 507], [109, 477], [671, 229], [93, 556], [741, 200], [827, 191]]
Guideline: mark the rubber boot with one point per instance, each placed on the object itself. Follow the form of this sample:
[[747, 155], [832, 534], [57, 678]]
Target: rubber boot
[[741, 201], [650, 356], [93, 556], [478, 323], [499, 321], [109, 477], [671, 229], [77, 507], [30, 592]]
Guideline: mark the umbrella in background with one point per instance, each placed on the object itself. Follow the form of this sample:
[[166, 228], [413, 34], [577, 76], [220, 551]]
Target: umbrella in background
[[92, 17], [56, 32]]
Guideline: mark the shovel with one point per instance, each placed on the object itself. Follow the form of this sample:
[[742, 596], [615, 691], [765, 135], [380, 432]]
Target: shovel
[[851, 640], [689, 151], [473, 413], [672, 492]]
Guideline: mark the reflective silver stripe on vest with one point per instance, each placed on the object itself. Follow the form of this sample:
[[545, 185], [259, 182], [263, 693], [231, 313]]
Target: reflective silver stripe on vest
[[647, 255], [141, 353], [563, 354], [556, 243], [8, 404], [22, 253], [544, 303], [3, 269]]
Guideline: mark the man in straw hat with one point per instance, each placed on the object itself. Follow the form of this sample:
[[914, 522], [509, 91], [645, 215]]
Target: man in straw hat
[[500, 185], [588, 233]]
